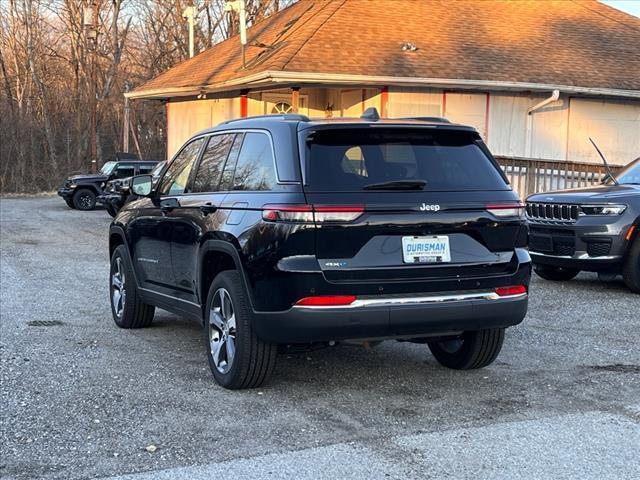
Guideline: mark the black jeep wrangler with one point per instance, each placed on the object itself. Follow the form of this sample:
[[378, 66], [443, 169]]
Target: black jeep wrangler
[[80, 191], [280, 230], [117, 192]]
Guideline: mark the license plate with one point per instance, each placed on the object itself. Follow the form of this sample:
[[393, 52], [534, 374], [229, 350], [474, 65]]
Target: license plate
[[426, 249]]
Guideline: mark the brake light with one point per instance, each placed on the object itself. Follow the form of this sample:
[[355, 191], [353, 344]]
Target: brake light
[[506, 210], [288, 213], [511, 290], [326, 301], [311, 213]]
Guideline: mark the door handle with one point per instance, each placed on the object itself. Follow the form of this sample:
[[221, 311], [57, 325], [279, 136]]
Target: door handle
[[208, 208]]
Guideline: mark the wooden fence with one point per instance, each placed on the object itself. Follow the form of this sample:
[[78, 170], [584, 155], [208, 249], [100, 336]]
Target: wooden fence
[[529, 176]]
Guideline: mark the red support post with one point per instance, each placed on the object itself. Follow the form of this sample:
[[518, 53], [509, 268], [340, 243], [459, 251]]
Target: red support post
[[384, 102], [244, 104]]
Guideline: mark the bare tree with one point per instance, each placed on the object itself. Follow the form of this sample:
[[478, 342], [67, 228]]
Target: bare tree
[[46, 86]]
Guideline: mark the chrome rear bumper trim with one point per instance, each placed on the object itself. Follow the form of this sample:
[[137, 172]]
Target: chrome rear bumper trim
[[422, 300]]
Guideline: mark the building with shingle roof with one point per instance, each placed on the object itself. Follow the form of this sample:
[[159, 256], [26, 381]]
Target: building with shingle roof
[[535, 78]]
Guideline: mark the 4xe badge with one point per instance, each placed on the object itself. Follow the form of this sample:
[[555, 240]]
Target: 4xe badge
[[429, 207]]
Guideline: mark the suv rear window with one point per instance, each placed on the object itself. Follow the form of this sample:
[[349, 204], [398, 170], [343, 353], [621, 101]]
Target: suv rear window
[[350, 159]]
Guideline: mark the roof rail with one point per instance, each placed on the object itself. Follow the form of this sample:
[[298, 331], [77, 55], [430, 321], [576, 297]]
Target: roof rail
[[283, 116], [427, 119]]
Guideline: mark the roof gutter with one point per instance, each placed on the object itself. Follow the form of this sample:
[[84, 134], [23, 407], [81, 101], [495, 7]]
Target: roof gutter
[[278, 79]]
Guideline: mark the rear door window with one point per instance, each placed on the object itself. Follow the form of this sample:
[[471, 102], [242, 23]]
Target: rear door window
[[230, 166], [255, 169], [213, 158], [351, 159]]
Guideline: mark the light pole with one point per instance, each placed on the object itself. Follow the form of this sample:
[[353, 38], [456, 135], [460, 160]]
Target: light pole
[[91, 17], [190, 13]]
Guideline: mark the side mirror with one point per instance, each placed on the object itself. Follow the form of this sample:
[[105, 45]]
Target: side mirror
[[605, 178], [142, 185]]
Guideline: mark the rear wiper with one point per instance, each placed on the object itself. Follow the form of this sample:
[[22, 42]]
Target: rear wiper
[[397, 185]]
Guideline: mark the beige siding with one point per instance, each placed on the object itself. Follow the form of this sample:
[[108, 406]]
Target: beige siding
[[549, 130], [413, 102], [556, 131], [184, 118], [467, 109], [354, 101], [507, 124], [510, 126], [614, 126]]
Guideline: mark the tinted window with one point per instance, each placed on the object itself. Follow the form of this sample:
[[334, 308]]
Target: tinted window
[[210, 169], [146, 169], [107, 168], [176, 177], [350, 159], [123, 171], [255, 168], [230, 167]]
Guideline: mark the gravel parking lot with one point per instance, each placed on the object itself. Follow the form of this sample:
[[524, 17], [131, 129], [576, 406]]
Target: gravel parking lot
[[83, 399]]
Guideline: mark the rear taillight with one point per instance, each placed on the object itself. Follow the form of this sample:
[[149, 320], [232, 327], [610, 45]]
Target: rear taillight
[[507, 210], [288, 213], [326, 301], [311, 213], [511, 290]]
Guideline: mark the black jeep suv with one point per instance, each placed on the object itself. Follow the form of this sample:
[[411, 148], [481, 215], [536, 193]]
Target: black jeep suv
[[117, 192], [280, 230], [81, 191], [595, 229]]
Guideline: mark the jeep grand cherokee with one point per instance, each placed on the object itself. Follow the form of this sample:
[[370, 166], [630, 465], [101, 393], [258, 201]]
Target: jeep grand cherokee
[[281, 230]]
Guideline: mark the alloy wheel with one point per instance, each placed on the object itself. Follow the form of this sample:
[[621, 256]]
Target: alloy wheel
[[85, 200], [222, 331], [118, 292]]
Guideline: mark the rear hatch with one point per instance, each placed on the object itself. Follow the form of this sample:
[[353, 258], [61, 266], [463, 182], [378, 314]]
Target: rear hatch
[[400, 204]]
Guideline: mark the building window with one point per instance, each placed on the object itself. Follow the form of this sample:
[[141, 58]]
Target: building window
[[281, 107]]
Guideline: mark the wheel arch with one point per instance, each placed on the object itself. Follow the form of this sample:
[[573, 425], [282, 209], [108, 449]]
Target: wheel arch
[[217, 256], [87, 186], [117, 237]]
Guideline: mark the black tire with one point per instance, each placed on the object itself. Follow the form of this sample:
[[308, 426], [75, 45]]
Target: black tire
[[475, 349], [254, 360], [69, 203], [84, 199], [555, 274], [134, 313], [631, 269]]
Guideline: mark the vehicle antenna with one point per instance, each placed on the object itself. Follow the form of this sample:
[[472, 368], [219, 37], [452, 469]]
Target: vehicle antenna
[[604, 160]]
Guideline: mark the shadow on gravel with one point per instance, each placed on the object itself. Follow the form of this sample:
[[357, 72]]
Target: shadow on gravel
[[615, 368]]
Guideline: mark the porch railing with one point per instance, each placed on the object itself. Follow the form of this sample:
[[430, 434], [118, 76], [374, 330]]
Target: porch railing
[[529, 176]]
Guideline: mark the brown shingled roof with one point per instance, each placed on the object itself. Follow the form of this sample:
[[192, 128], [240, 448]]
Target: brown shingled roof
[[580, 43]]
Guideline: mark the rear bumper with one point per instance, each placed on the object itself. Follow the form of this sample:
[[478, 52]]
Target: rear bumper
[[392, 317]]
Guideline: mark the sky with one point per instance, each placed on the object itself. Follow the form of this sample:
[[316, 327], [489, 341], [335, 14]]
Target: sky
[[628, 6]]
